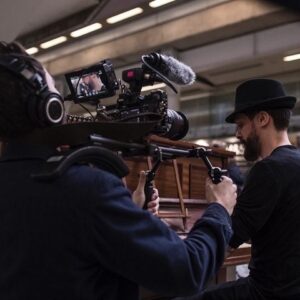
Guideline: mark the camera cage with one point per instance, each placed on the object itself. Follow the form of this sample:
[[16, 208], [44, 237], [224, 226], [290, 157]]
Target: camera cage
[[100, 150], [130, 104]]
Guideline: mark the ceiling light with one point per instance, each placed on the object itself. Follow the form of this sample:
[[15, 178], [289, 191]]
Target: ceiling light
[[292, 57], [124, 15], [157, 3], [53, 42], [153, 87], [85, 30], [32, 50]]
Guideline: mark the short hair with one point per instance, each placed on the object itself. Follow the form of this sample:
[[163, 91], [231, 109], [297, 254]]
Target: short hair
[[15, 93], [281, 117]]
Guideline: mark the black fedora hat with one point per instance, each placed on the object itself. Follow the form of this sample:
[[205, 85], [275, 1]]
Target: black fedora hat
[[260, 94]]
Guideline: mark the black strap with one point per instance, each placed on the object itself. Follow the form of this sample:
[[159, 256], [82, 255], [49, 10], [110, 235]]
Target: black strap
[[100, 157]]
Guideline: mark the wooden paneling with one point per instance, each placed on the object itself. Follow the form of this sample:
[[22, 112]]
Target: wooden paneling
[[192, 174]]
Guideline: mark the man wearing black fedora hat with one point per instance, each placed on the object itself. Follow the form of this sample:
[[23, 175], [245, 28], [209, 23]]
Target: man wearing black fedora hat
[[268, 209]]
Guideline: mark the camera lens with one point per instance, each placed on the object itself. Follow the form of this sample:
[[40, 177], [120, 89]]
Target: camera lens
[[177, 125]]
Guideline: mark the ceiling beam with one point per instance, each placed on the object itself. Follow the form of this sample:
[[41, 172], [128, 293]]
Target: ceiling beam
[[222, 21]]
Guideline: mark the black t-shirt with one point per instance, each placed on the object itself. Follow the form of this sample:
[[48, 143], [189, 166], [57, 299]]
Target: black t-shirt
[[268, 213]]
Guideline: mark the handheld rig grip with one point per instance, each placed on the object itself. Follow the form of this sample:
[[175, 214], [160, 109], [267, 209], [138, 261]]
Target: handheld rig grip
[[148, 192]]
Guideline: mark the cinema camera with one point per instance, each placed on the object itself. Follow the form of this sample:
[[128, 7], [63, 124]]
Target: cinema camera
[[99, 81]]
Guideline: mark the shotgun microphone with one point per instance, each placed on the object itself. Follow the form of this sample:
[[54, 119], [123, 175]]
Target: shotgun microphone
[[171, 68]]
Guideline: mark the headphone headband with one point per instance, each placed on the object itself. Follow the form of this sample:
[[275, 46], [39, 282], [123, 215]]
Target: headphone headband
[[45, 108]]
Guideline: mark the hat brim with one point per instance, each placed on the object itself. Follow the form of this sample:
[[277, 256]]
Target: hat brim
[[274, 103]]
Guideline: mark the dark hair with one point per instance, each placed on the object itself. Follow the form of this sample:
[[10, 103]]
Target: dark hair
[[15, 92], [281, 117]]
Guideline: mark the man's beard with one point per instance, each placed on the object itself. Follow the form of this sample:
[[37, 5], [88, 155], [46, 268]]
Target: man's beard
[[252, 147]]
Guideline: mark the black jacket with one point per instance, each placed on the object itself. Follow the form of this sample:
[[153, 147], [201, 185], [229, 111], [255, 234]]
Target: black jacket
[[82, 237]]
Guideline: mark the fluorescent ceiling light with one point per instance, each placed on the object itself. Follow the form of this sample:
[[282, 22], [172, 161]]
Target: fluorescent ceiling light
[[153, 87], [292, 57], [124, 15], [85, 30], [32, 50], [157, 3], [53, 42]]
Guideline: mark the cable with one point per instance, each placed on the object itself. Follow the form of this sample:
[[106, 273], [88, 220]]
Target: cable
[[81, 105]]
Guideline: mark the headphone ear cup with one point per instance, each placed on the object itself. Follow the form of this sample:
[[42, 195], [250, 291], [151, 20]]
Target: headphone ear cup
[[50, 110], [46, 109]]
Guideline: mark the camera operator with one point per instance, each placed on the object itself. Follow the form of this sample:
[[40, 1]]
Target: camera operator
[[81, 236]]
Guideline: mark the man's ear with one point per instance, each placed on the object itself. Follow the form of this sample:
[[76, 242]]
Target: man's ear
[[262, 119]]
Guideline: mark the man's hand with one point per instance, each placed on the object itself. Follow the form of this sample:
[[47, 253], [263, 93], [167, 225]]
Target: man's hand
[[153, 205], [223, 193], [138, 196]]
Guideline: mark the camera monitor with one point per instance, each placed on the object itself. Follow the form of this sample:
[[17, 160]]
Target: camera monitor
[[92, 83]]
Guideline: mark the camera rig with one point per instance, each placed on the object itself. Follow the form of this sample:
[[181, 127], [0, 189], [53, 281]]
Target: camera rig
[[92, 84], [106, 153], [149, 113]]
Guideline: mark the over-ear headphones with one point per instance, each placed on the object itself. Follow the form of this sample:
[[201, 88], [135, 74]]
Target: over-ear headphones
[[45, 108]]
